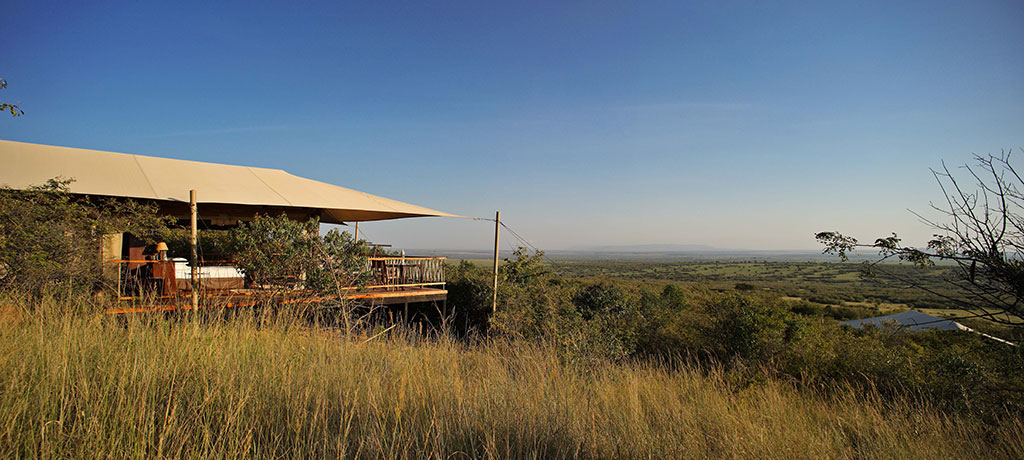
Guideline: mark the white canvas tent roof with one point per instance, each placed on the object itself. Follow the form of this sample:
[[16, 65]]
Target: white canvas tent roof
[[163, 179], [914, 320]]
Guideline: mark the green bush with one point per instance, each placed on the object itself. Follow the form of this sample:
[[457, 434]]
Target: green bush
[[469, 296], [49, 237], [750, 328], [285, 253], [957, 370], [846, 313], [807, 308]]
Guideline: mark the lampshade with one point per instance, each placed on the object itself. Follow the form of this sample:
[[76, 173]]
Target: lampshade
[[161, 246]]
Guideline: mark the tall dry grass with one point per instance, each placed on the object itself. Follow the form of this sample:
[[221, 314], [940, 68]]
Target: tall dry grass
[[85, 386]]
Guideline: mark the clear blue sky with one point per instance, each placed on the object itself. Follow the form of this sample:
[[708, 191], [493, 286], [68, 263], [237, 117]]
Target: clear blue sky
[[732, 124]]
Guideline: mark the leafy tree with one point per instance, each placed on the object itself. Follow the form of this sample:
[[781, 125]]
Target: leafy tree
[[981, 231], [751, 328], [48, 237], [529, 304], [281, 252], [337, 263], [674, 297], [601, 299], [274, 250], [523, 268], [7, 107]]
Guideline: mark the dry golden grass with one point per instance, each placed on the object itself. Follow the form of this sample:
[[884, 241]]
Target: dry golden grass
[[83, 386]]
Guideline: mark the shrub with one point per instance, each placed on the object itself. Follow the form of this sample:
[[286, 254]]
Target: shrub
[[49, 237], [807, 309], [751, 329], [469, 295], [601, 299], [281, 252]]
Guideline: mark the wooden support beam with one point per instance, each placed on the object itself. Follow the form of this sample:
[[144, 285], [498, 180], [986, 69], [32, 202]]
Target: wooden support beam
[[195, 248], [497, 230]]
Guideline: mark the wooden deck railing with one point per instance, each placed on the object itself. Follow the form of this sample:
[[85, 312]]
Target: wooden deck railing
[[406, 271], [386, 272]]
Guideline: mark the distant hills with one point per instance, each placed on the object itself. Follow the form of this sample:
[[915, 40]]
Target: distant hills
[[646, 248], [652, 253]]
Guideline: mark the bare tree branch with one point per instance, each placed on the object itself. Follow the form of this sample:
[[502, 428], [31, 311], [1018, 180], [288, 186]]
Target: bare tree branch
[[983, 235]]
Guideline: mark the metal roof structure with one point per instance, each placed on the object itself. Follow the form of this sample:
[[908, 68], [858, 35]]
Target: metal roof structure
[[235, 191], [913, 320]]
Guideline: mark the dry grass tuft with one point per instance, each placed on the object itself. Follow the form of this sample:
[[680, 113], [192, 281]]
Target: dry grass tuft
[[85, 386]]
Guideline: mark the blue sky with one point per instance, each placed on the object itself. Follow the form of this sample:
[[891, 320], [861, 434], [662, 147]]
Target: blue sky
[[732, 124]]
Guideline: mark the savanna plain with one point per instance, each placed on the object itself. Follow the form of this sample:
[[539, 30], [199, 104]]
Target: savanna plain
[[586, 360]]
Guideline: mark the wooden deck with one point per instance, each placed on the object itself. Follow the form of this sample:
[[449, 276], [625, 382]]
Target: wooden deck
[[405, 295], [156, 285], [369, 297]]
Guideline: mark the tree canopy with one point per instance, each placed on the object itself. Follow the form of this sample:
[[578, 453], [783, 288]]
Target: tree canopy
[[980, 230]]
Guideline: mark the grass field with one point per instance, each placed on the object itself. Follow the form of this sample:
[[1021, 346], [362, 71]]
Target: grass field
[[819, 282], [84, 386], [843, 281]]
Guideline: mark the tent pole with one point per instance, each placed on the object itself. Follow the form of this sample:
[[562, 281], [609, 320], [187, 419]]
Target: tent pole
[[195, 255], [497, 229], [357, 232]]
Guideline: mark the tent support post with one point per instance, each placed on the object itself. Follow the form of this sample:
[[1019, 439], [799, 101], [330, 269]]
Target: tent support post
[[356, 238], [195, 252], [497, 230]]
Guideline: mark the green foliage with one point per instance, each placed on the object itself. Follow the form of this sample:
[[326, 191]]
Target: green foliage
[[285, 253], [807, 308], [751, 329], [843, 313], [674, 297], [469, 295], [49, 237], [338, 263], [213, 244], [602, 299], [274, 251], [523, 268], [958, 371]]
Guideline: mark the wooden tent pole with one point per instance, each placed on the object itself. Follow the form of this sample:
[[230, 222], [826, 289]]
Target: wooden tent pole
[[357, 232], [195, 250], [497, 230]]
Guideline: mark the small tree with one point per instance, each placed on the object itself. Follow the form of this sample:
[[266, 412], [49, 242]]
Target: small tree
[[49, 237], [523, 268], [274, 250], [981, 231], [338, 263], [278, 251]]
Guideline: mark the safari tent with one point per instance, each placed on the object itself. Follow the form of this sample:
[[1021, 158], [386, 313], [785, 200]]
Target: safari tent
[[224, 195]]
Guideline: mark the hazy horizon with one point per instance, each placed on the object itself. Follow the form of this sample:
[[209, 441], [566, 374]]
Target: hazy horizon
[[725, 124]]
